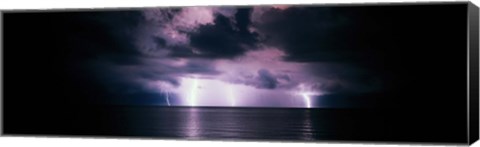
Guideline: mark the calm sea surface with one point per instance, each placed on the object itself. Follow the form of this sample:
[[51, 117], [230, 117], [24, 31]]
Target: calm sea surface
[[221, 123], [232, 123]]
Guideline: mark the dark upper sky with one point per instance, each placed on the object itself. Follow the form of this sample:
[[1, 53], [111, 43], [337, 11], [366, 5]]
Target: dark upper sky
[[273, 56]]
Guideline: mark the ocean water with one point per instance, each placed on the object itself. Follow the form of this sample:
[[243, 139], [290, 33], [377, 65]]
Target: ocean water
[[232, 123], [242, 124]]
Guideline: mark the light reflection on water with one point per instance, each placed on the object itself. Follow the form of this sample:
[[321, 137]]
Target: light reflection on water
[[207, 123], [307, 122], [193, 124]]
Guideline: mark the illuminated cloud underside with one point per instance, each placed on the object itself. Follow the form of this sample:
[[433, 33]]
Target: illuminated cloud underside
[[210, 92]]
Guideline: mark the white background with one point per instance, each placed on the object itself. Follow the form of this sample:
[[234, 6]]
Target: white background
[[109, 142]]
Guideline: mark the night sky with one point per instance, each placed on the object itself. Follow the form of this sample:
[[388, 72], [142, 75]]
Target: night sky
[[255, 56]]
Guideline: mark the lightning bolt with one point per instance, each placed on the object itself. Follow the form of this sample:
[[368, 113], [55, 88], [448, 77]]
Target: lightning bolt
[[307, 99], [231, 96], [193, 92], [168, 101]]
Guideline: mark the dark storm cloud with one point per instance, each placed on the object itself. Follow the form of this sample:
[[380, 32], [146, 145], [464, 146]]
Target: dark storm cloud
[[348, 41], [199, 67], [266, 79], [262, 79], [225, 38], [312, 34], [242, 21], [160, 41], [306, 34], [345, 78], [204, 32], [99, 34], [101, 47]]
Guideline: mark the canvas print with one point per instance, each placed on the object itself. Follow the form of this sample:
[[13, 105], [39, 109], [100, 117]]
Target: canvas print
[[376, 72]]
